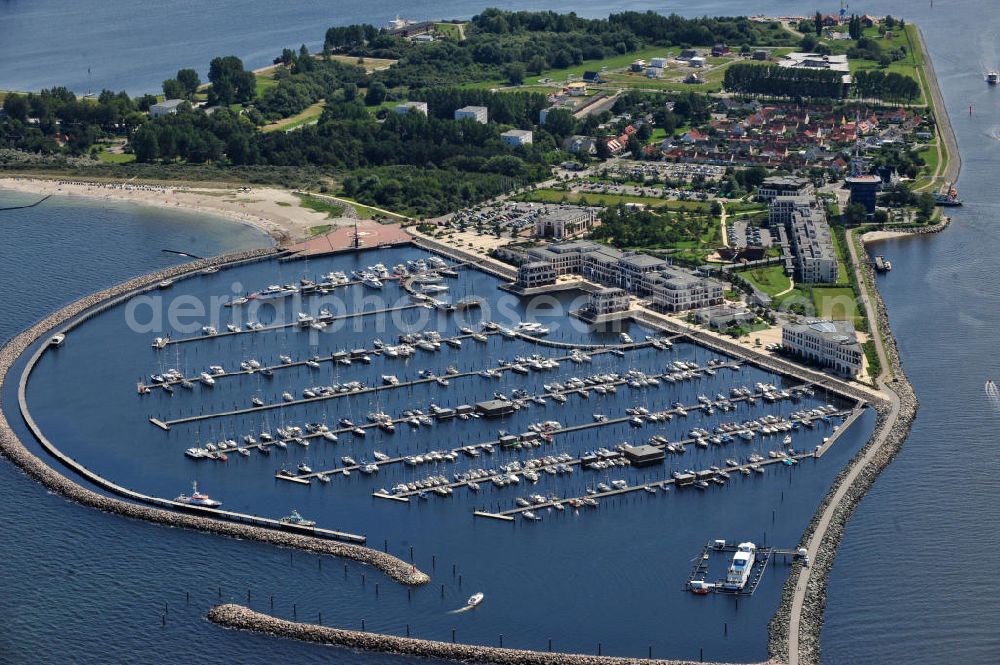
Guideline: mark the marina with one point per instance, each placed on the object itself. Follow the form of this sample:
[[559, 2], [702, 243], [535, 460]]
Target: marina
[[532, 425]]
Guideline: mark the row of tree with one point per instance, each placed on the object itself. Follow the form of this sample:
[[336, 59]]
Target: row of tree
[[778, 81], [876, 84]]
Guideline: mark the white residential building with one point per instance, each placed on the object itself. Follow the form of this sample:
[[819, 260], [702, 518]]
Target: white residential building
[[674, 290], [478, 113], [563, 223], [165, 108], [516, 137], [832, 344], [607, 301], [536, 273], [404, 108]]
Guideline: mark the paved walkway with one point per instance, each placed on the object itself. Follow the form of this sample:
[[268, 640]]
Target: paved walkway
[[855, 469]]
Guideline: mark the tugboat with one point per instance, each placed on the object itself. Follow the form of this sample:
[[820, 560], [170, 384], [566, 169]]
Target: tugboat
[[198, 499], [296, 520], [948, 199]]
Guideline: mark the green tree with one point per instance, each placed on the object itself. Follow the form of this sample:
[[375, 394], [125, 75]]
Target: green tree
[[145, 144], [925, 207], [855, 213], [376, 93], [514, 73], [231, 83], [174, 89], [818, 20], [560, 122], [189, 79], [16, 107]]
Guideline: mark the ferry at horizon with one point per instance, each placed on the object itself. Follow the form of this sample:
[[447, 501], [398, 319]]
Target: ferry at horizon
[[742, 566], [198, 499]]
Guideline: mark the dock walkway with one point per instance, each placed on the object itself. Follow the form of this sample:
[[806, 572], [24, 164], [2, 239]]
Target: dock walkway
[[166, 424]]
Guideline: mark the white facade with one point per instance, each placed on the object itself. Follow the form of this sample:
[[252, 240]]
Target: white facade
[[164, 108], [516, 137], [404, 108], [832, 344], [536, 273], [607, 301], [673, 290], [478, 113], [563, 223]]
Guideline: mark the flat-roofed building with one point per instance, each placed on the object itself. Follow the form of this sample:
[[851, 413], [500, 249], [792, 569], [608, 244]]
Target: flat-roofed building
[[480, 114], [607, 300], [406, 107], [516, 137], [784, 185], [831, 344], [864, 190], [536, 273], [167, 107], [563, 223], [633, 269], [674, 290]]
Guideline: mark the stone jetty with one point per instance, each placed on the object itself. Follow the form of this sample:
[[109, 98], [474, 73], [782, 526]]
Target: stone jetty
[[243, 618], [14, 449]]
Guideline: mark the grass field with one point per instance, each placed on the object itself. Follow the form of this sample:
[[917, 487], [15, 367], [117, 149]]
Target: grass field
[[826, 302], [309, 115], [264, 81], [450, 30], [320, 205], [771, 280], [115, 157], [843, 271]]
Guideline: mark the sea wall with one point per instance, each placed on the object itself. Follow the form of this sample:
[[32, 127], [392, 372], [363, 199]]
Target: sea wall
[[890, 433], [243, 618], [13, 448]]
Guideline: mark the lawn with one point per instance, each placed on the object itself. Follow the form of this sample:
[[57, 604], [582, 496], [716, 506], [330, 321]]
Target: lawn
[[450, 30], [772, 280], [264, 81], [912, 65], [843, 271], [825, 302], [369, 64], [310, 115], [331, 208], [115, 157]]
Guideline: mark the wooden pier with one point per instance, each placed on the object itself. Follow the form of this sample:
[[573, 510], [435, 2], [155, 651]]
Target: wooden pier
[[294, 324], [663, 484], [543, 467], [166, 424]]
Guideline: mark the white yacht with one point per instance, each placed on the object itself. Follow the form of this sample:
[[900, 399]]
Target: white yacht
[[742, 566]]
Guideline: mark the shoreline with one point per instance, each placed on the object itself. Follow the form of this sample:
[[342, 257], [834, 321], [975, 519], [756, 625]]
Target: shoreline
[[273, 211], [35, 467]]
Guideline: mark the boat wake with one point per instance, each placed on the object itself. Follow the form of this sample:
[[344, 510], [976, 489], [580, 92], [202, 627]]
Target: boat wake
[[993, 394], [463, 609]]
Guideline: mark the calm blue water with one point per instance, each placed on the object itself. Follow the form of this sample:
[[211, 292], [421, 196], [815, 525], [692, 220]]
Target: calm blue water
[[82, 586], [634, 549]]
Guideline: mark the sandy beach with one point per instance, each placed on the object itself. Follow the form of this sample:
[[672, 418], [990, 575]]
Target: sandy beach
[[275, 211], [875, 236]]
